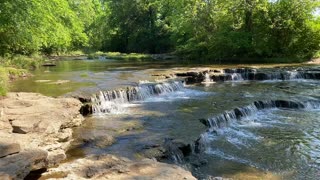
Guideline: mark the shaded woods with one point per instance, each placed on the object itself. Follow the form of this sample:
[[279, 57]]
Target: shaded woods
[[196, 29]]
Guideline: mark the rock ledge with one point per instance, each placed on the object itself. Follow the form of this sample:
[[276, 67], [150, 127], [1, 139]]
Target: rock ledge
[[35, 132]]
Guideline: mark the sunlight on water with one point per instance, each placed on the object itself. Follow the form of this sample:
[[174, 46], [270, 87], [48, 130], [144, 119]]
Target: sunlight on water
[[261, 125]]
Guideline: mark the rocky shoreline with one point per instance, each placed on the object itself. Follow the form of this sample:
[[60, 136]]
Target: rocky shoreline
[[112, 167], [36, 131]]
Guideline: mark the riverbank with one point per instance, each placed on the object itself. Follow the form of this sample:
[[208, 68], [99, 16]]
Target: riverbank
[[16, 67], [314, 61], [36, 131]]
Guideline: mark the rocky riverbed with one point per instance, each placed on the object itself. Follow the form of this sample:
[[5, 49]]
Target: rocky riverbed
[[36, 131], [152, 111]]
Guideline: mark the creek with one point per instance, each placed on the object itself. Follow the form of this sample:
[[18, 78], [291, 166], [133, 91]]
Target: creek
[[273, 142]]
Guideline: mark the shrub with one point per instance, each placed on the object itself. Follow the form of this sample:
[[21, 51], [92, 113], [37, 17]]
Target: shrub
[[3, 81]]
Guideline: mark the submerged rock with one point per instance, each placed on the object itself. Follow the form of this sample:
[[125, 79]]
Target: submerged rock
[[100, 141], [228, 117], [225, 118]]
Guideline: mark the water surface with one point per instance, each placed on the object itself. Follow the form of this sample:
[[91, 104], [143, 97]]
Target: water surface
[[271, 144]]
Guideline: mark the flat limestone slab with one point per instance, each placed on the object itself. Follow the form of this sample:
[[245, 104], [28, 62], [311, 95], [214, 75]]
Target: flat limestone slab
[[18, 166], [35, 132], [113, 167], [8, 148]]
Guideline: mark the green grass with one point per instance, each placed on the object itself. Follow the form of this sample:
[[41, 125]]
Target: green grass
[[4, 78], [22, 62], [7, 73], [119, 56], [12, 67]]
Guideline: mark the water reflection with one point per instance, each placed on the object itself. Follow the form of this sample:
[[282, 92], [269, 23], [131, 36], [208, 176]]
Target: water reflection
[[271, 144]]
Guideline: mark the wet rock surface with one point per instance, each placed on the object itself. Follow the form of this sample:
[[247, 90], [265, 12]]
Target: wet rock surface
[[107, 101], [223, 119], [113, 167], [237, 114], [35, 132], [198, 76]]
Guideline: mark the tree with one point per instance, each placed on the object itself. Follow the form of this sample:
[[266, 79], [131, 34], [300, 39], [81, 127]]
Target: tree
[[137, 26], [30, 26], [215, 29]]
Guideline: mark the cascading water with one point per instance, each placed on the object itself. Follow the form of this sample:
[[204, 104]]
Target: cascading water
[[113, 101], [252, 74], [207, 80], [230, 117], [295, 75], [236, 77]]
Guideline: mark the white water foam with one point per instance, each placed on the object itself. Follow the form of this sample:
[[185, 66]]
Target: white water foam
[[116, 101], [237, 77], [207, 80]]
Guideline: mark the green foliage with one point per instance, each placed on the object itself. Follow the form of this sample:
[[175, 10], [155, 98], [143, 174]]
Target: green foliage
[[7, 73], [317, 54], [196, 29], [137, 26], [22, 62], [3, 81], [28, 26], [217, 29], [15, 67], [119, 56]]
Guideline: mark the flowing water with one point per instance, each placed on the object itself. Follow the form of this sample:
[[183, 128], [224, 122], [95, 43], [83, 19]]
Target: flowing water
[[249, 135]]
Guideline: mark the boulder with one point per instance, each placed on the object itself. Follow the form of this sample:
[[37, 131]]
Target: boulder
[[18, 166], [86, 109]]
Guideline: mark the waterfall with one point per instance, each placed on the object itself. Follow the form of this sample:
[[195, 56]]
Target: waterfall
[[295, 75], [246, 74], [224, 119], [113, 101], [207, 79], [227, 118], [236, 77], [252, 74]]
